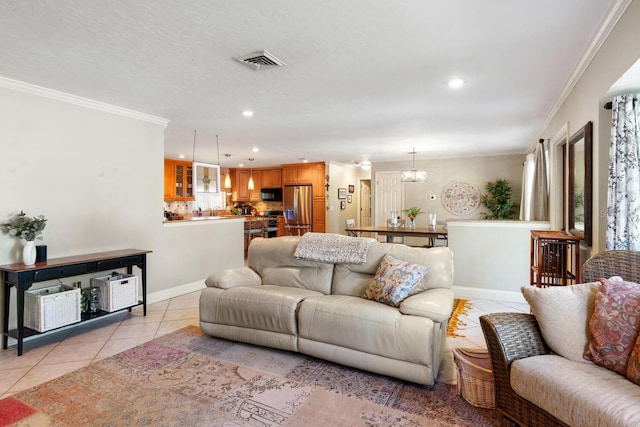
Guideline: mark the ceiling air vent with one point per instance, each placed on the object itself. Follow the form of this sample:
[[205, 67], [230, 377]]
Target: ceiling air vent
[[260, 60]]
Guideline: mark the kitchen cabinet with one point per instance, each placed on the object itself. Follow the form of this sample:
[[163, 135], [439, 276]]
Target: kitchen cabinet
[[178, 184], [314, 174], [241, 190], [271, 178]]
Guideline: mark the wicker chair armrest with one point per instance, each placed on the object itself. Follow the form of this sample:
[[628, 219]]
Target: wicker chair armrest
[[509, 337]]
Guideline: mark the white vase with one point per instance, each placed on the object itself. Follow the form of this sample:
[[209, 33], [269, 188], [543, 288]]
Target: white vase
[[29, 253]]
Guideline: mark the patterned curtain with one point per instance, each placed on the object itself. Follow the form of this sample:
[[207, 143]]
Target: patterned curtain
[[534, 204], [623, 204]]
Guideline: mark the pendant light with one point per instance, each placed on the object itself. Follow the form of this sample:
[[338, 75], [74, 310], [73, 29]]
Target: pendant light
[[251, 186], [227, 178], [413, 175]]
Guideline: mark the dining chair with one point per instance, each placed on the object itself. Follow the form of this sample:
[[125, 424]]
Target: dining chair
[[351, 223]]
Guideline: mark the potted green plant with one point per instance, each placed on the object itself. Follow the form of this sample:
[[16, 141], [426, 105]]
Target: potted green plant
[[412, 213], [28, 229], [498, 200], [206, 181]]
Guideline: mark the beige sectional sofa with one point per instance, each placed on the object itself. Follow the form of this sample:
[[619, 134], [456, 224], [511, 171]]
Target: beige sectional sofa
[[317, 308]]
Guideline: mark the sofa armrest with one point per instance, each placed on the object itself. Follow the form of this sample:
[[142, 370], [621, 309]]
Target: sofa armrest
[[509, 337], [434, 304], [232, 277]]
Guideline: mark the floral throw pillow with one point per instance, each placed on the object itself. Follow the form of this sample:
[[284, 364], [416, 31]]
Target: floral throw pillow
[[633, 369], [614, 325], [394, 280]]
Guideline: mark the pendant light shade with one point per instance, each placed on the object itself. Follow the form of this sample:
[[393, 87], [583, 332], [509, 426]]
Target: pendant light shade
[[251, 186], [227, 178], [414, 175]]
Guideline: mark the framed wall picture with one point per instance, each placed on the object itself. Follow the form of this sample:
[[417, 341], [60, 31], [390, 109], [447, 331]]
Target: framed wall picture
[[342, 193], [349, 198], [352, 188], [343, 205]]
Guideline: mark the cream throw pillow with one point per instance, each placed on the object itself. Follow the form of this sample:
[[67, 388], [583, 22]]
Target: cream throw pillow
[[563, 313]]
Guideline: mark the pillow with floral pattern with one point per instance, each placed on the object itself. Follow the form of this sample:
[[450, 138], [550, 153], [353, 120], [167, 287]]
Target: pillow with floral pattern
[[614, 325], [393, 280]]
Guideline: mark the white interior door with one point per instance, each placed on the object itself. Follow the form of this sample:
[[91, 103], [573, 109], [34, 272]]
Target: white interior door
[[365, 202], [388, 195]]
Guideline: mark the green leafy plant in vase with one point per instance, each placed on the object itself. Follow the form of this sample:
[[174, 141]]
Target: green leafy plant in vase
[[412, 213], [206, 182], [28, 229]]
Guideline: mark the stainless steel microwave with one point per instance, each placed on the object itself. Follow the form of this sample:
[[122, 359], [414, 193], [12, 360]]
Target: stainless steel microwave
[[271, 194]]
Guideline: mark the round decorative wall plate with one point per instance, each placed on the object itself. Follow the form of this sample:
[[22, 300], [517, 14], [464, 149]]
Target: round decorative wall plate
[[460, 198]]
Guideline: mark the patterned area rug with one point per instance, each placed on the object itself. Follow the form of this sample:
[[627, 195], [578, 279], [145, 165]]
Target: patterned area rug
[[461, 307], [188, 379]]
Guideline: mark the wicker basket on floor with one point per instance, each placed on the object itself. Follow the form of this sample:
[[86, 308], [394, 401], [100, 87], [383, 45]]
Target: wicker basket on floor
[[475, 377]]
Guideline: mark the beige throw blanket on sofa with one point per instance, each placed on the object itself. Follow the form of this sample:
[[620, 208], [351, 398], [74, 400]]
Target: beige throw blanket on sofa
[[333, 248]]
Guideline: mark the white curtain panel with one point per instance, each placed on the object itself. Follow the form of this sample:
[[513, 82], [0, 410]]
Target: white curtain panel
[[534, 203], [623, 198]]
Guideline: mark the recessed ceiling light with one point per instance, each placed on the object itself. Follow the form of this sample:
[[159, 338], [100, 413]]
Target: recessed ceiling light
[[456, 83], [304, 160], [181, 156], [247, 113], [241, 165], [255, 149], [365, 165]]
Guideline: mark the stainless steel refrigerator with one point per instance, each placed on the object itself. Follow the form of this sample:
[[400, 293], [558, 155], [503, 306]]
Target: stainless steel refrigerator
[[298, 205]]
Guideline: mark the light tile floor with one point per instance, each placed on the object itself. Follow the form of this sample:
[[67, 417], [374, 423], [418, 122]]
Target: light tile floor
[[64, 351]]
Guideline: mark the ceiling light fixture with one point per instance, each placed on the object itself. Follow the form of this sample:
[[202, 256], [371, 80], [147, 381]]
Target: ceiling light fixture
[[247, 113], [227, 178], [365, 165], [456, 83], [413, 175], [251, 185], [255, 149]]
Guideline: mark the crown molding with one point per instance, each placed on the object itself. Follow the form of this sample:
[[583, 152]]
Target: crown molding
[[608, 24], [80, 101]]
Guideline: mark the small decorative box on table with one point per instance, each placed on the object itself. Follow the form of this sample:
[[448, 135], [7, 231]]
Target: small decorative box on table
[[51, 307], [117, 291]]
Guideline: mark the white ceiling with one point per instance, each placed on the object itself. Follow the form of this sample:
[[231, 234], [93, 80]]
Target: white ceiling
[[364, 79]]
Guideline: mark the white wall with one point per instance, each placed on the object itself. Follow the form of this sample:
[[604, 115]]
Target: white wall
[[341, 176], [474, 170], [97, 176], [584, 103], [491, 259]]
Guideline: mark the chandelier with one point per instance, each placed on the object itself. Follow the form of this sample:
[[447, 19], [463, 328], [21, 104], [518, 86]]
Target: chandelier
[[413, 175]]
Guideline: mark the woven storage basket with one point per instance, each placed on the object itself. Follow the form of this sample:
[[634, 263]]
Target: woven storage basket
[[117, 291], [475, 377], [51, 307]]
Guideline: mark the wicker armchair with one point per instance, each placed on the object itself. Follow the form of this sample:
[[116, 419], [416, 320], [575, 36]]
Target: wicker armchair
[[612, 263], [513, 336]]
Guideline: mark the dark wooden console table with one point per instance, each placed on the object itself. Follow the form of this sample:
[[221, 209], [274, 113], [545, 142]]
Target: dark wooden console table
[[22, 277]]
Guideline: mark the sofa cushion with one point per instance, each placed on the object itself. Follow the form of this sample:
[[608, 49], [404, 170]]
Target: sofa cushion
[[579, 394], [614, 324], [366, 326], [268, 308], [273, 260], [563, 314], [230, 277], [394, 280], [354, 279]]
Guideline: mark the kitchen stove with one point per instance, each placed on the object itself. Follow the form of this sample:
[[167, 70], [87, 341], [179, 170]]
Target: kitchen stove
[[272, 222]]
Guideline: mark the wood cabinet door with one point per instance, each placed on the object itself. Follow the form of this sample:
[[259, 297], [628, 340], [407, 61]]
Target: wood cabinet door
[[290, 175], [254, 195], [169, 180], [319, 212], [305, 175], [318, 179], [272, 178], [241, 189]]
